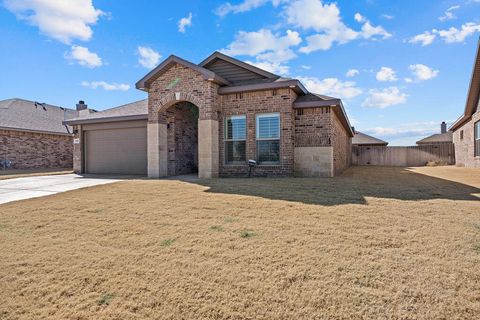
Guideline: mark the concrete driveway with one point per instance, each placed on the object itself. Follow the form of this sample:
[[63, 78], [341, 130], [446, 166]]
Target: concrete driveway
[[33, 187]]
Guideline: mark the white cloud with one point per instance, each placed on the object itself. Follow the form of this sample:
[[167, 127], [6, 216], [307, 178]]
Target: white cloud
[[270, 50], [359, 18], [384, 98], [386, 74], [326, 21], [408, 80], [244, 6], [453, 34], [414, 130], [448, 14], [425, 38], [387, 16], [184, 23], [148, 57], [306, 67], [422, 72], [84, 57], [61, 20], [352, 73], [106, 86], [332, 87]]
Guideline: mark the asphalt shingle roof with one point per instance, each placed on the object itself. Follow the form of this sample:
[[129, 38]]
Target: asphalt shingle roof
[[364, 139], [437, 138], [130, 109], [27, 115]]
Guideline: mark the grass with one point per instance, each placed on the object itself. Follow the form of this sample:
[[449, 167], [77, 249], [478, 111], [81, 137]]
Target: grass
[[22, 173], [216, 228], [105, 299], [167, 242], [476, 247], [247, 234], [374, 243]]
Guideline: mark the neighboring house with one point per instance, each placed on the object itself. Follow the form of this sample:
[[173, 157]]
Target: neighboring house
[[442, 138], [466, 130], [212, 118], [364, 140], [32, 135]]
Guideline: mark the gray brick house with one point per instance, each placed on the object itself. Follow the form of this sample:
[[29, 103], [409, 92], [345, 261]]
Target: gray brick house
[[213, 117], [466, 130], [32, 135]]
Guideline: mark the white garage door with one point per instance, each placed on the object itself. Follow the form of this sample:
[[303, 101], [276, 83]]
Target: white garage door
[[116, 151]]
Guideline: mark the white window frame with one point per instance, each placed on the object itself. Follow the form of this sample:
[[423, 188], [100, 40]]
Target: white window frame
[[476, 138], [226, 139], [257, 134]]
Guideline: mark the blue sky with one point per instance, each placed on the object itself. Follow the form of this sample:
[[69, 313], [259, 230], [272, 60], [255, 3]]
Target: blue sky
[[400, 67]]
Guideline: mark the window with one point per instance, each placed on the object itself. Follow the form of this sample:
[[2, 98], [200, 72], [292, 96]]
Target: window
[[477, 139], [235, 139], [268, 138]]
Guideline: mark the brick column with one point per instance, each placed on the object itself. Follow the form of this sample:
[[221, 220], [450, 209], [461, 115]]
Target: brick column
[[157, 150], [208, 148]]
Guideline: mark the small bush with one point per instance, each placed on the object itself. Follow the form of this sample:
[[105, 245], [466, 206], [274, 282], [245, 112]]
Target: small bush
[[105, 299], [436, 163], [228, 219], [167, 242], [216, 228], [247, 234]]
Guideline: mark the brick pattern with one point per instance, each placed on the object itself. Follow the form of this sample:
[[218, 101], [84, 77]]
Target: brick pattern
[[182, 136], [342, 146], [251, 104], [28, 150], [190, 86], [313, 127], [464, 148]]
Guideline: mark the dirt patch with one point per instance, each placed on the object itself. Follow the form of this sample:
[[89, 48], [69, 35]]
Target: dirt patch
[[375, 243]]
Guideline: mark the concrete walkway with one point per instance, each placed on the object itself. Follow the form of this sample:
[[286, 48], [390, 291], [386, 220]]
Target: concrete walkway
[[33, 187]]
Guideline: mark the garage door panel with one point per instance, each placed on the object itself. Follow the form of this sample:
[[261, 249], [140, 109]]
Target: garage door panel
[[116, 151]]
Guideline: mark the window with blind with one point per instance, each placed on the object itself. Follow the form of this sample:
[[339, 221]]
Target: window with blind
[[477, 139], [235, 139], [268, 138]]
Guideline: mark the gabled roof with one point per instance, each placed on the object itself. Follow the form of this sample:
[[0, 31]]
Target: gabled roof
[[437, 138], [364, 139], [145, 82], [234, 70], [25, 115], [473, 94], [137, 110]]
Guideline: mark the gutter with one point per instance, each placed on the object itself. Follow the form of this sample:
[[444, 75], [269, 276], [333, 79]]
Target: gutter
[[296, 85], [106, 119]]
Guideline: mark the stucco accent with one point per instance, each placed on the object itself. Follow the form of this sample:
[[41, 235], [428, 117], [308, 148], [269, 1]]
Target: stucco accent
[[313, 161], [157, 151], [208, 149]]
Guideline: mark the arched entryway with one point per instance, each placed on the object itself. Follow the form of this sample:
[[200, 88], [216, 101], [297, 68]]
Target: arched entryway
[[182, 138]]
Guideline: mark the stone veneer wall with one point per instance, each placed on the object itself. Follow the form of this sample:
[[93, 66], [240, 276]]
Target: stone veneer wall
[[251, 104], [182, 130], [29, 150], [464, 148], [342, 146]]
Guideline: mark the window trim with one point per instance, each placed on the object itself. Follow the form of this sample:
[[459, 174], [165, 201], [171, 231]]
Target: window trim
[[257, 133], [226, 140]]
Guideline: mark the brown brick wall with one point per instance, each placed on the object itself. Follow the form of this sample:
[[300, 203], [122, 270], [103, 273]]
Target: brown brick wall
[[29, 150], [313, 127], [464, 148], [182, 135], [342, 146], [251, 104]]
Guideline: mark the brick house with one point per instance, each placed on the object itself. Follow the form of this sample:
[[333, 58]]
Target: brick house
[[466, 130], [213, 117], [32, 135]]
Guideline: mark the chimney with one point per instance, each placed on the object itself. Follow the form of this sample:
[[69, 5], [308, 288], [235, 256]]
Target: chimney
[[81, 105], [443, 127]]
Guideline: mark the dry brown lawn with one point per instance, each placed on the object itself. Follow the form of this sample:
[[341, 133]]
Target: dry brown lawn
[[375, 243]]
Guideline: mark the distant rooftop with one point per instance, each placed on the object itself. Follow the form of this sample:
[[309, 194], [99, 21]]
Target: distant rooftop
[[362, 139], [20, 114], [437, 138]]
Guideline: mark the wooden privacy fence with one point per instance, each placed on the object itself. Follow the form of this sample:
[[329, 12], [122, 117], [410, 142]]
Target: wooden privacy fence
[[403, 156]]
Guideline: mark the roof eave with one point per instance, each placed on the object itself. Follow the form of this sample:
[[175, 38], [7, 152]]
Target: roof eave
[[36, 131], [106, 119], [143, 85], [318, 103]]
